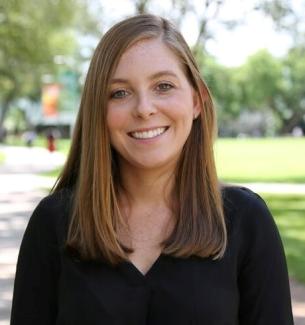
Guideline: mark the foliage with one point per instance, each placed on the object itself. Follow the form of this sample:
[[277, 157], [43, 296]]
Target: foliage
[[206, 14], [287, 15], [276, 85], [36, 34], [224, 86], [289, 103], [260, 79], [265, 84], [33, 33], [269, 86]]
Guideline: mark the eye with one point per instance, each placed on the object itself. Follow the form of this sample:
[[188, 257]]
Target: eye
[[164, 86], [117, 94]]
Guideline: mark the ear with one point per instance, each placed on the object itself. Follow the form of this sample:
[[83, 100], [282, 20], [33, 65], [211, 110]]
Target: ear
[[196, 105]]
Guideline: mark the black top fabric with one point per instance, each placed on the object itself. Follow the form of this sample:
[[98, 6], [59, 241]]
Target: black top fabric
[[248, 286]]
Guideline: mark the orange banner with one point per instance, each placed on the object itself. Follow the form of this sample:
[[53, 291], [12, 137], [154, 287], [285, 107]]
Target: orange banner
[[50, 96]]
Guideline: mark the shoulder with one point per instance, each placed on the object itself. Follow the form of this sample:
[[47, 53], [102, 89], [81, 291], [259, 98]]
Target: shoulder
[[238, 196], [242, 203], [250, 223], [247, 213], [56, 201], [51, 215], [55, 204]]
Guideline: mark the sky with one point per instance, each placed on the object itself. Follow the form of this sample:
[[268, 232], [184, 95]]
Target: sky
[[230, 47]]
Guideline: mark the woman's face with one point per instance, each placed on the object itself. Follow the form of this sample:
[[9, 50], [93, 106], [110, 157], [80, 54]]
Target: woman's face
[[151, 106]]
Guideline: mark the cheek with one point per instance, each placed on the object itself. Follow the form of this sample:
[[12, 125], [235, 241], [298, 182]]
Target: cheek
[[180, 109], [116, 119]]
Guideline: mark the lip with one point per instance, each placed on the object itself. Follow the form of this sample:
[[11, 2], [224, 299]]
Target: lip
[[148, 140], [148, 129]]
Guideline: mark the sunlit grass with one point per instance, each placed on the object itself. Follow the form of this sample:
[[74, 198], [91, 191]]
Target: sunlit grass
[[261, 160], [2, 157], [279, 160]]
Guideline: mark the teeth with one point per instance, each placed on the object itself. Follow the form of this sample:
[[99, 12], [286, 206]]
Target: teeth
[[148, 134]]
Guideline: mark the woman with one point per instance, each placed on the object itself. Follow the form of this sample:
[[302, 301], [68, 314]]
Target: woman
[[138, 229]]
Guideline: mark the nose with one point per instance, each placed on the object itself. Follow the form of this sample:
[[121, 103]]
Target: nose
[[144, 107]]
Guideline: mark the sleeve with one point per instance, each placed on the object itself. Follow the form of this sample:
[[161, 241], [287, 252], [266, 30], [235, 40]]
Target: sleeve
[[35, 287], [263, 277]]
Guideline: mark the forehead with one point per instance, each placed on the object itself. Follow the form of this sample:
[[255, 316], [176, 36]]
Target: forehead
[[149, 54]]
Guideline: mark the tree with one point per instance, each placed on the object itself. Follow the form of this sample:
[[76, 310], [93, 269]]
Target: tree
[[32, 34], [260, 80], [205, 12], [290, 102], [141, 6], [276, 85], [224, 86], [289, 16]]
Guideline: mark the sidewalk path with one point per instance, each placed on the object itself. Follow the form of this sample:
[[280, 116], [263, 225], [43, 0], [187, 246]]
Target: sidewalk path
[[20, 191], [276, 188]]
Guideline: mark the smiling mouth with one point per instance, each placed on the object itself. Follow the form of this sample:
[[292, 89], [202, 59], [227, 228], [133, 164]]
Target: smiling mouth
[[148, 134]]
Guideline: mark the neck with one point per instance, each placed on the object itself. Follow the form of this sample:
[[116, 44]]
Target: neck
[[147, 187]]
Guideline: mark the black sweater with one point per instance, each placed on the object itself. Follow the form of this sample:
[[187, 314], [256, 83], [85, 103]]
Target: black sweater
[[248, 286]]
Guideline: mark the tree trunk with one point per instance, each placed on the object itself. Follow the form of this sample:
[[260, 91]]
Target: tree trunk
[[5, 106], [290, 124]]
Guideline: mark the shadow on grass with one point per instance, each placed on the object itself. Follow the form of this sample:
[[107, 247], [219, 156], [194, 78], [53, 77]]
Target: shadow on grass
[[294, 250]]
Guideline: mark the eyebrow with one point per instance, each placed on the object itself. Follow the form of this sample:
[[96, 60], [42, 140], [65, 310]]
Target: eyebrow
[[152, 77]]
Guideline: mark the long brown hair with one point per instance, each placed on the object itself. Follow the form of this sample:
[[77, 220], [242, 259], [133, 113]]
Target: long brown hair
[[91, 170]]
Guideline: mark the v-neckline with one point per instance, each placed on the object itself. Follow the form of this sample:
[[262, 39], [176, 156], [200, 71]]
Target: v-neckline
[[151, 269]]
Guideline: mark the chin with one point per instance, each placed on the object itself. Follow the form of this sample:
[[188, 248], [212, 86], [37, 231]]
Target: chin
[[149, 163]]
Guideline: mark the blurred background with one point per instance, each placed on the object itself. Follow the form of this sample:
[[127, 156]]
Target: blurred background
[[251, 54]]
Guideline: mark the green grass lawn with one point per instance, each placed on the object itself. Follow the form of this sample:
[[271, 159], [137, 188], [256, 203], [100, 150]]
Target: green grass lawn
[[2, 157], [278, 160], [261, 160], [289, 215]]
